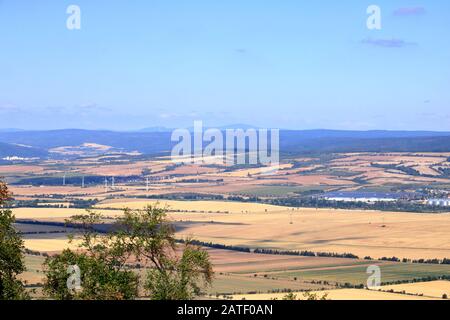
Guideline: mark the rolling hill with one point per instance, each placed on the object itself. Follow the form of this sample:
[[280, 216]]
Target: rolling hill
[[12, 150], [291, 141]]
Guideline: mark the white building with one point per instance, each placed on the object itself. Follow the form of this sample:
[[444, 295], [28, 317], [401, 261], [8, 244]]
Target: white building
[[439, 202], [360, 199], [367, 197]]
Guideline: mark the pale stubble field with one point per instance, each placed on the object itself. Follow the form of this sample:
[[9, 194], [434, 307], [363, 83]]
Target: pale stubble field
[[363, 233]]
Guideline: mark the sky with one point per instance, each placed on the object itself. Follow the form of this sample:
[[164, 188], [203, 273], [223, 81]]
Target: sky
[[290, 64]]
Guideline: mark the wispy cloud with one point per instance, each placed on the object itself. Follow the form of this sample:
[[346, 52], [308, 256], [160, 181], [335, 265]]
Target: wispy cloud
[[92, 106], [410, 11], [84, 109], [173, 115], [9, 108], [388, 43]]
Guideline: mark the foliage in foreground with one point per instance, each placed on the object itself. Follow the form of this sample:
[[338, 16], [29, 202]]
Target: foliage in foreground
[[143, 237], [306, 295], [11, 253]]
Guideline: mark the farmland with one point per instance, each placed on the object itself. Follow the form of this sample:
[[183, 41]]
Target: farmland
[[363, 233], [372, 234], [240, 272], [433, 289], [362, 171], [238, 208], [224, 150], [246, 273], [339, 294]]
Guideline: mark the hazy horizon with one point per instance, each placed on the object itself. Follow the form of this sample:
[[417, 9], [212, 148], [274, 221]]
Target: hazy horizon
[[221, 127]]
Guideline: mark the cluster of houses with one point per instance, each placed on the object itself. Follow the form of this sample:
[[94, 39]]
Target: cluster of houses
[[373, 197]]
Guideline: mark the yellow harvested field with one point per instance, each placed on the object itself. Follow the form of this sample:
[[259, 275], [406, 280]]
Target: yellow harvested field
[[363, 233], [189, 170], [55, 204], [426, 170], [63, 190], [315, 180], [393, 158], [338, 294], [123, 169], [49, 244], [258, 171], [434, 289], [251, 263], [57, 213], [14, 169], [195, 206]]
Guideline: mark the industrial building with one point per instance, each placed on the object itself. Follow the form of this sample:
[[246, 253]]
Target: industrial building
[[369, 197], [439, 202]]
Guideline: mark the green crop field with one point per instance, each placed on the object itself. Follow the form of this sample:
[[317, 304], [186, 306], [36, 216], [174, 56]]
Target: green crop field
[[230, 283], [357, 274]]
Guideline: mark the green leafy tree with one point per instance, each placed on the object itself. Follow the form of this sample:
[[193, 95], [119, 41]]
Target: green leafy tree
[[290, 296], [143, 237], [103, 273], [314, 296], [306, 295], [176, 272], [180, 278], [11, 253]]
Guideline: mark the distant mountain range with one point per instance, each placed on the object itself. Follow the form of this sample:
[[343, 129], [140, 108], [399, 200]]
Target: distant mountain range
[[10, 130], [156, 129], [157, 140], [13, 150], [231, 126]]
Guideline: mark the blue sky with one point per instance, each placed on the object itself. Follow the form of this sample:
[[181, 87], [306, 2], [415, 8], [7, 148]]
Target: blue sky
[[288, 64]]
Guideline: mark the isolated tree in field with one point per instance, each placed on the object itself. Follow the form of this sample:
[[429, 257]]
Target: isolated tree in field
[[143, 237], [11, 253]]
